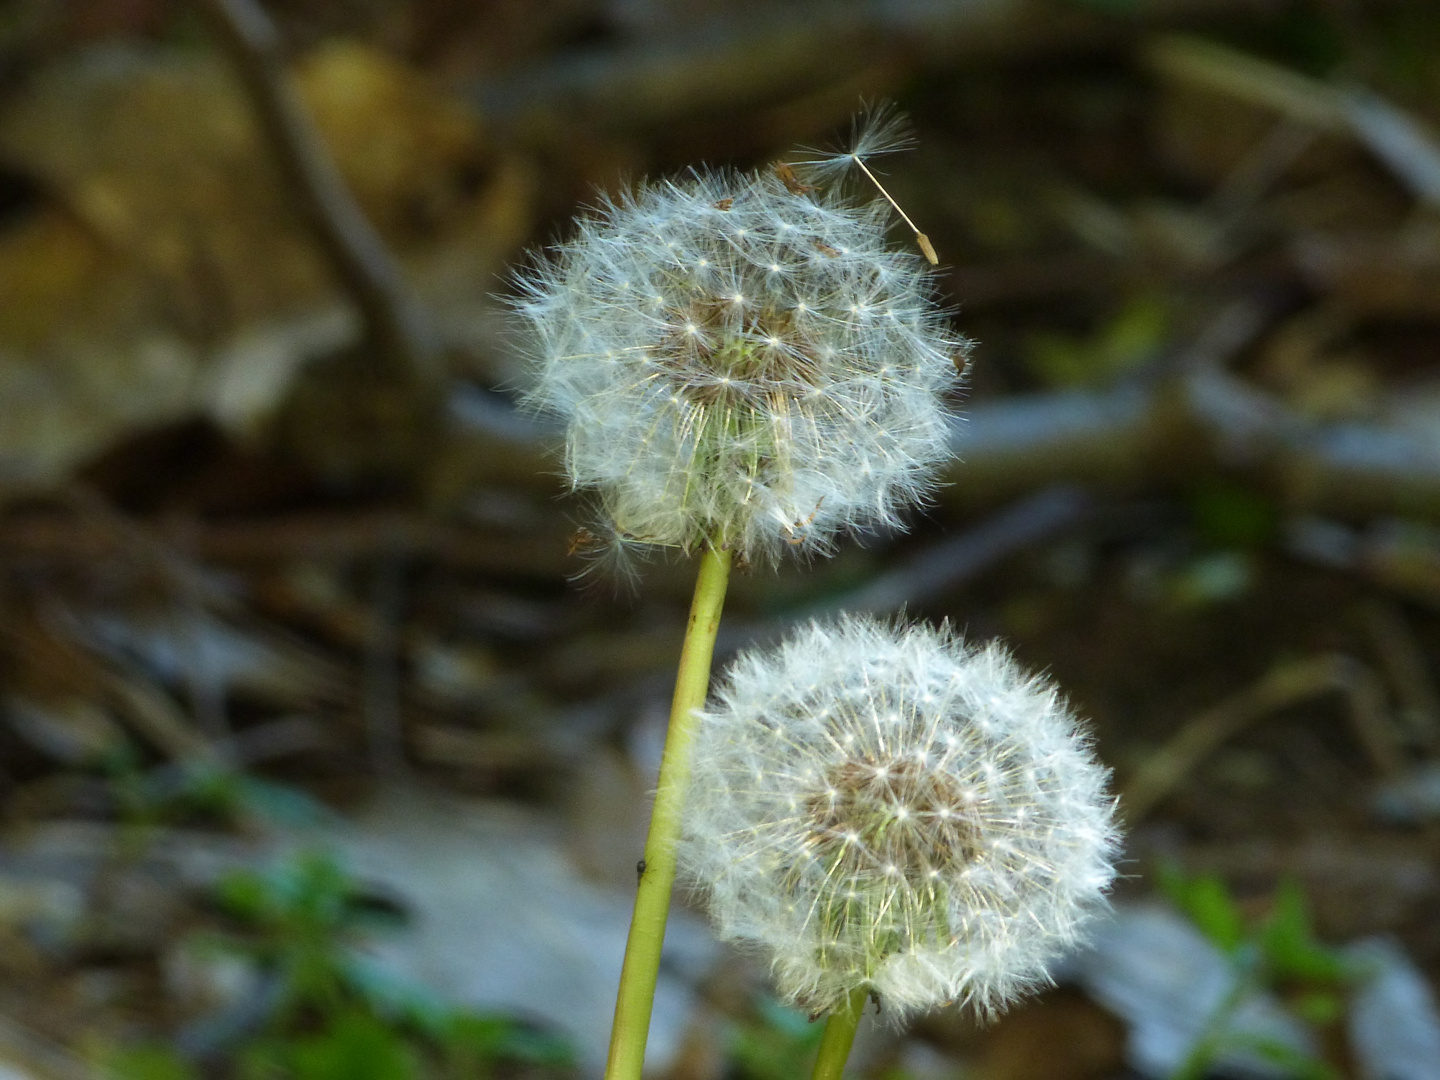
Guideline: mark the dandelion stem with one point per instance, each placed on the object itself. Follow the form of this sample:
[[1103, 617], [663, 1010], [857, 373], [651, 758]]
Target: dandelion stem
[[839, 1036], [657, 876]]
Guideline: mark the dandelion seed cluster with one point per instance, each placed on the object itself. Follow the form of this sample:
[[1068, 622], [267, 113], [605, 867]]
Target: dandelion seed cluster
[[892, 809], [742, 356]]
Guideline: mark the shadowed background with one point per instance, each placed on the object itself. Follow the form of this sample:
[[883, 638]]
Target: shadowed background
[[291, 656]]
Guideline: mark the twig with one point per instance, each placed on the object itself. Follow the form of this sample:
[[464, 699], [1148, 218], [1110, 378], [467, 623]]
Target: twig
[[1251, 80], [1244, 186], [1118, 436], [1404, 665], [945, 565], [719, 63], [26, 1054], [1128, 435], [394, 320], [488, 752], [98, 532], [383, 721], [1285, 685], [49, 648], [326, 536], [1392, 135], [1398, 140]]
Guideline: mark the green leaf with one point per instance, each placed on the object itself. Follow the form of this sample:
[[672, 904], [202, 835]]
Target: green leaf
[[776, 1045], [1130, 339], [147, 1063], [391, 995], [1212, 578], [488, 1038], [1289, 944], [1318, 1007], [280, 804], [1232, 516], [1298, 1065], [357, 1046], [243, 894], [1208, 903]]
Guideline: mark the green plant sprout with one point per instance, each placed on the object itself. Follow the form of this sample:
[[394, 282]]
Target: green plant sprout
[[1133, 337], [328, 1013], [775, 1043], [200, 789], [1279, 952]]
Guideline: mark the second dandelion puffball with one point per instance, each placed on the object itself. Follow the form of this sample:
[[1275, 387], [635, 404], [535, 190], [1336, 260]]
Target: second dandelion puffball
[[743, 359], [893, 810]]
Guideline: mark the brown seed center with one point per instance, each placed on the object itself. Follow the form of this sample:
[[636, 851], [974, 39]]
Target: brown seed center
[[719, 349], [893, 817]]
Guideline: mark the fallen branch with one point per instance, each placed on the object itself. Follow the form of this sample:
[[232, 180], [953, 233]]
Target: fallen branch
[[330, 536], [1285, 685], [1199, 418], [714, 65], [941, 567], [1388, 132], [394, 321]]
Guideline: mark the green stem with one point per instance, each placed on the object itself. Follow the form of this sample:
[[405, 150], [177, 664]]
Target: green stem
[[657, 878], [839, 1036]]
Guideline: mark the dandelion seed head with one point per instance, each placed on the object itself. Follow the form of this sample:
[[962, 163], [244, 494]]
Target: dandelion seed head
[[712, 346], [927, 859]]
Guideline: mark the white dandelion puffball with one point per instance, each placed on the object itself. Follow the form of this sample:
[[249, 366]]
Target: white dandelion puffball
[[742, 358], [893, 809]]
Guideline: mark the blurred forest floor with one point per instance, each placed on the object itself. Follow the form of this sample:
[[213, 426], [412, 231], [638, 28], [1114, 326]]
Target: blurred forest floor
[[307, 735]]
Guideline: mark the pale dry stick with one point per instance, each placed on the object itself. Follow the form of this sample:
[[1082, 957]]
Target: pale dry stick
[[194, 593], [188, 579], [203, 671], [28, 1055], [1387, 131], [394, 320], [159, 719], [1285, 685], [944, 566], [1369, 714], [174, 561], [1234, 200], [148, 709], [722, 64], [1257, 171], [1251, 80]]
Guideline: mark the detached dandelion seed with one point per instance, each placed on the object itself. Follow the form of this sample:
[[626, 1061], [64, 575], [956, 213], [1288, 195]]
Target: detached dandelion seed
[[880, 130], [932, 860]]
